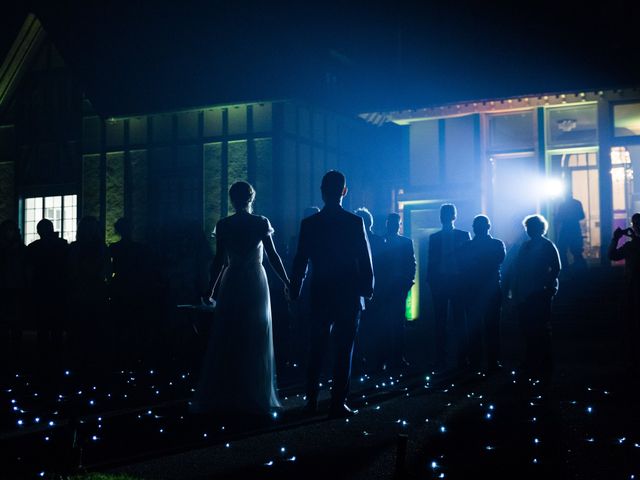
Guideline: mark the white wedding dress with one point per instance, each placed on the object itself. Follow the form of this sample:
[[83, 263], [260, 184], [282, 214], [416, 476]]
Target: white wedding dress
[[238, 373]]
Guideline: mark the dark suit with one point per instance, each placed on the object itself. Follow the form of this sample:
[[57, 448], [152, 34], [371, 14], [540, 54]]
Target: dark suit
[[399, 271], [443, 277], [481, 259], [335, 243]]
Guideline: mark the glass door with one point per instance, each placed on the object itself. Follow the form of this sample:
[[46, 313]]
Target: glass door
[[578, 170]]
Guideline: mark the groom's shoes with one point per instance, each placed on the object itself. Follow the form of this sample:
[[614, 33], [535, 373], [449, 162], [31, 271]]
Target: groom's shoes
[[341, 411]]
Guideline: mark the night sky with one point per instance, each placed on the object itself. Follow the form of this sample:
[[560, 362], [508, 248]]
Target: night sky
[[354, 55]]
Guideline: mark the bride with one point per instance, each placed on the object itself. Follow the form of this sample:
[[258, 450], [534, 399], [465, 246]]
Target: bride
[[238, 375]]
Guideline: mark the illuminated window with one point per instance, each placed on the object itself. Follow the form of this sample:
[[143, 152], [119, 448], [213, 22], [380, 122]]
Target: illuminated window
[[513, 131], [571, 126], [626, 119], [61, 210]]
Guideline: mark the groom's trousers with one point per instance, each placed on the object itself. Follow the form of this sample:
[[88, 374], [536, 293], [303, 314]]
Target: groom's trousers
[[340, 323]]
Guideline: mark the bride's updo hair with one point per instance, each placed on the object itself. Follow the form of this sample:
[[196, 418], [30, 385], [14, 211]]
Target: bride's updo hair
[[242, 195]]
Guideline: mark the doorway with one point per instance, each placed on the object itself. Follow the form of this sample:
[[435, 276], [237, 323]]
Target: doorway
[[578, 170]]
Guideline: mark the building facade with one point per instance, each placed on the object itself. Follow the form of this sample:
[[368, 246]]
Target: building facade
[[62, 159], [512, 157]]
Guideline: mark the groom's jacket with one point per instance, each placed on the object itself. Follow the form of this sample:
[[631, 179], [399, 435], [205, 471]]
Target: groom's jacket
[[335, 242]]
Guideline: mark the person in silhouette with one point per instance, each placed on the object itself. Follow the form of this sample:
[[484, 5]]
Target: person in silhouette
[[335, 242], [444, 279], [569, 233], [481, 259], [89, 268], [238, 372], [129, 293], [13, 284], [535, 283], [399, 273], [300, 311], [630, 253], [371, 336], [48, 265]]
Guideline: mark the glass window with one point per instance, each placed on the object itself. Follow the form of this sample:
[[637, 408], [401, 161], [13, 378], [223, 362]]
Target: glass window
[[138, 130], [162, 128], [571, 126], [513, 131], [61, 210], [187, 125], [625, 162], [213, 122], [114, 132], [237, 118], [626, 119], [262, 117]]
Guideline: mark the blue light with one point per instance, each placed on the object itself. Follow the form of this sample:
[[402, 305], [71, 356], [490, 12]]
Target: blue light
[[443, 429]]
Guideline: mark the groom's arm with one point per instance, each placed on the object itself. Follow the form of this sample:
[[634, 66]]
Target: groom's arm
[[300, 261]]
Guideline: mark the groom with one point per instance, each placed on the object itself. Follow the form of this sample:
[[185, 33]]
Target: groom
[[335, 242]]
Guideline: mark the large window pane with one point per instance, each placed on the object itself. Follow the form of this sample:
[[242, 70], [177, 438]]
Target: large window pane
[[625, 162], [626, 119], [571, 126], [513, 131], [62, 211]]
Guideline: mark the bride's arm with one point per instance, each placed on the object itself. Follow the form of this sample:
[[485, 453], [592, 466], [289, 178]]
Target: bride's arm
[[219, 262], [275, 260]]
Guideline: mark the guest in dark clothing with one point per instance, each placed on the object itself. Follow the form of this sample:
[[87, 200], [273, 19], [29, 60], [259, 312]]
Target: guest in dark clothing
[[89, 268], [399, 272], [444, 279], [535, 283], [13, 284], [48, 276], [335, 243], [569, 233], [129, 292], [481, 259], [369, 349], [630, 253]]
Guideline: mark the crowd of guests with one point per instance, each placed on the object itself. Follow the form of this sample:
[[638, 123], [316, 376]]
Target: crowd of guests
[[118, 301], [93, 304]]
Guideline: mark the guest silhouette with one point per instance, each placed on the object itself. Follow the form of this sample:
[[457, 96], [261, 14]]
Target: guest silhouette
[[129, 291], [89, 268], [335, 242], [630, 253], [372, 339], [399, 272], [535, 283], [13, 284], [48, 262], [444, 279], [569, 233], [481, 259]]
